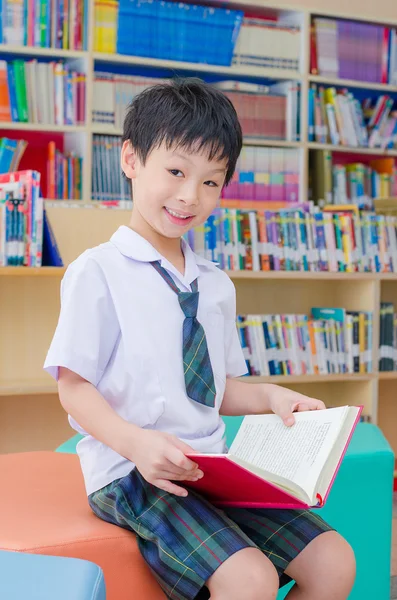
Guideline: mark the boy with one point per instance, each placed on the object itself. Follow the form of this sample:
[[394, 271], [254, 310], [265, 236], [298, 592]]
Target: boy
[[147, 356]]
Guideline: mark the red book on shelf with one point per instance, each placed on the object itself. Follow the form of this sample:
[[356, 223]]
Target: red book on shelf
[[270, 465]]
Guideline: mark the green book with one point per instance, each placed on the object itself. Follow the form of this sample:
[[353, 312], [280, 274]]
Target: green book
[[20, 90]]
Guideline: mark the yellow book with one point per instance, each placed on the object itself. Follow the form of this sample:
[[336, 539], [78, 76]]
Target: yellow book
[[331, 98], [346, 242]]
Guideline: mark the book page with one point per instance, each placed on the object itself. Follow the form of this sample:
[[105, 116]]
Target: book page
[[296, 453]]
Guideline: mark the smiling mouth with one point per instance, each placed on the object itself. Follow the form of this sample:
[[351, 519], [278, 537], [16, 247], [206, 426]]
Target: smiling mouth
[[177, 215]]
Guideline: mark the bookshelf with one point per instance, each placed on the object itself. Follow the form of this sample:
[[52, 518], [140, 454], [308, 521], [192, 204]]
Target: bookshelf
[[29, 298]]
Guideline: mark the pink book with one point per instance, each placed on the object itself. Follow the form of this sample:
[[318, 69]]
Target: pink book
[[270, 465]]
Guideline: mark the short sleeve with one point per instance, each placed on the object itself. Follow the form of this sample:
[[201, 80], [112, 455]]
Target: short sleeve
[[87, 329], [235, 361]]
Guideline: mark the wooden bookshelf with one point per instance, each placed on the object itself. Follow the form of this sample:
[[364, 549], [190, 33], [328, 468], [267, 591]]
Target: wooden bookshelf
[[352, 149], [348, 83], [30, 412], [234, 71], [50, 52]]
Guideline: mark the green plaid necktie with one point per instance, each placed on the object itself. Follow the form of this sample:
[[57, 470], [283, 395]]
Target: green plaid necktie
[[199, 378]]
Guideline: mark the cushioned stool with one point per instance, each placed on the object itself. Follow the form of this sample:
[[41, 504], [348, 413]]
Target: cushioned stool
[[359, 507], [39, 577], [45, 511]]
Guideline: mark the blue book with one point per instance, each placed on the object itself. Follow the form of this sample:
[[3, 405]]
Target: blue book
[[51, 254], [12, 92], [7, 150]]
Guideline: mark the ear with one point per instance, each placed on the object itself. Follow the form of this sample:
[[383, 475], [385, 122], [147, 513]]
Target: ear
[[129, 160]]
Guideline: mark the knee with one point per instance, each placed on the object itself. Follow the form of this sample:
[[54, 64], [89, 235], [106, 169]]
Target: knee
[[247, 574], [330, 565], [261, 584], [346, 564], [339, 563]]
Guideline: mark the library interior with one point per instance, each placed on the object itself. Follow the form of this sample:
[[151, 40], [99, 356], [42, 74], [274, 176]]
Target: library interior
[[306, 230]]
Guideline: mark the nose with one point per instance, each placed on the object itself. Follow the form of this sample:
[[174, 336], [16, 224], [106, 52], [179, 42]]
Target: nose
[[189, 194]]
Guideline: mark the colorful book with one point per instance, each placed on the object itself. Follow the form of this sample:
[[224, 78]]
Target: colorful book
[[270, 465]]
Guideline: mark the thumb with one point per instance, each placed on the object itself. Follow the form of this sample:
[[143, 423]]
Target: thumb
[[285, 413]]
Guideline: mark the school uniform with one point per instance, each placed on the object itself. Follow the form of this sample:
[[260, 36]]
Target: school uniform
[[120, 328]]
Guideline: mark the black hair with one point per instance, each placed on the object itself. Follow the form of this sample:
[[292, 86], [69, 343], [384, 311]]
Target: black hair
[[186, 113]]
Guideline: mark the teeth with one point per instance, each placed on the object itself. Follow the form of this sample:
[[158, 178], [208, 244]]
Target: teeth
[[175, 214]]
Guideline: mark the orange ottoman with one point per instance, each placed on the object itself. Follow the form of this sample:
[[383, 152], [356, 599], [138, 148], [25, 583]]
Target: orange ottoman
[[44, 510]]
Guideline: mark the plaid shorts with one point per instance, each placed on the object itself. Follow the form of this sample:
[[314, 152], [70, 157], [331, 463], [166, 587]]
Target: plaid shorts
[[185, 539]]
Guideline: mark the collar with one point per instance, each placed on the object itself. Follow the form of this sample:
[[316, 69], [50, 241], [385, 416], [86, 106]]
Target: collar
[[132, 245]]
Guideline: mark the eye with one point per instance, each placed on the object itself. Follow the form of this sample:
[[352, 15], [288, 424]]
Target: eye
[[211, 183], [176, 172]]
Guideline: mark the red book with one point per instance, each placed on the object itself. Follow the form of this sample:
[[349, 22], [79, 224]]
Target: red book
[[270, 465]]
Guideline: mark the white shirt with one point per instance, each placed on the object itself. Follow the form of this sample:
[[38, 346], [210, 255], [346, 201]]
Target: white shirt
[[120, 328]]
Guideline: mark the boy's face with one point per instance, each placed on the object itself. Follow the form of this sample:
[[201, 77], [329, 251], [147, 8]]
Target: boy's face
[[175, 190]]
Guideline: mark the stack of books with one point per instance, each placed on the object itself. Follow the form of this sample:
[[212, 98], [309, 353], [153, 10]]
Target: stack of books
[[268, 43], [302, 238], [331, 341], [353, 50], [269, 112], [357, 183], [388, 337], [265, 174], [114, 92], [39, 92], [339, 118], [177, 31], [108, 182], [64, 175], [45, 23]]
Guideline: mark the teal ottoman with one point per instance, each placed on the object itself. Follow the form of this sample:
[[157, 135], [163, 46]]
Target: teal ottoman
[[39, 577], [359, 506]]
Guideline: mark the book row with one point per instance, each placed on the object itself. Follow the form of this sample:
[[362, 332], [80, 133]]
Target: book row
[[353, 50], [330, 341], [64, 175], [264, 111], [45, 23], [337, 239], [388, 337], [265, 174], [339, 118], [350, 183], [194, 33], [39, 92], [261, 173], [108, 181]]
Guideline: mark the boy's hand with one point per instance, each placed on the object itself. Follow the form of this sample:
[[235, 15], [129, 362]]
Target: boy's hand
[[284, 402], [160, 458]]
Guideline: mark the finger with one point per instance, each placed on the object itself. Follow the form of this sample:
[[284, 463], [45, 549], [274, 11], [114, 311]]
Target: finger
[[180, 476], [311, 404], [285, 413], [176, 457], [170, 487], [169, 466], [319, 404]]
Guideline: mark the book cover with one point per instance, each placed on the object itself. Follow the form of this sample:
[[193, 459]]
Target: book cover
[[270, 465]]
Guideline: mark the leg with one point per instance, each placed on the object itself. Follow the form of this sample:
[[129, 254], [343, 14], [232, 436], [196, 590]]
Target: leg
[[247, 574], [325, 569], [187, 542]]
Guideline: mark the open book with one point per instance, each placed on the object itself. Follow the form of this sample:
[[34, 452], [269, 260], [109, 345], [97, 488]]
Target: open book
[[270, 465]]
